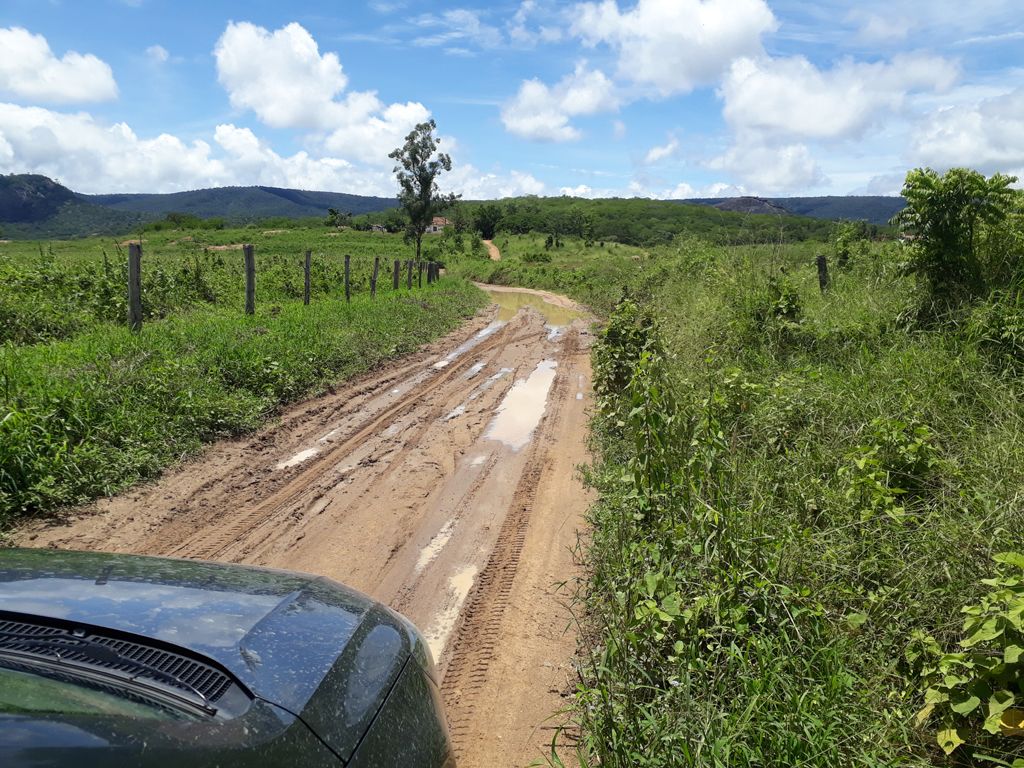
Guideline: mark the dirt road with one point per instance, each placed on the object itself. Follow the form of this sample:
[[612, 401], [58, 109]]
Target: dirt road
[[443, 486], [492, 250]]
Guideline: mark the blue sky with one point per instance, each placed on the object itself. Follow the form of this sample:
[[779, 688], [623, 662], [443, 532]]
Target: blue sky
[[656, 98]]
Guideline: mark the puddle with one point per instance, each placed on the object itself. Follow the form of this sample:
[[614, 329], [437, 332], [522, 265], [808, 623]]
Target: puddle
[[471, 343], [487, 384], [328, 436], [457, 412], [396, 391], [478, 461], [512, 301], [579, 395], [474, 370], [459, 587], [433, 549], [522, 408], [298, 458]]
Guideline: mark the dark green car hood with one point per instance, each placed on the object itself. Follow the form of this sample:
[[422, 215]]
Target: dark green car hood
[[283, 635]]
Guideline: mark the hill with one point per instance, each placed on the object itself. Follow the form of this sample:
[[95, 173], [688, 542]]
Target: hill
[[35, 207], [242, 205], [875, 209]]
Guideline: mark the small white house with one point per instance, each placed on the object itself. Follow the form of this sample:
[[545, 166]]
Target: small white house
[[438, 224]]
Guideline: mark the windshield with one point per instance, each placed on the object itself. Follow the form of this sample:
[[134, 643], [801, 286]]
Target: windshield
[[36, 693]]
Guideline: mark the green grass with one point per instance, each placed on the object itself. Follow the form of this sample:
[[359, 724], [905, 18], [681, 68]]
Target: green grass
[[791, 484], [87, 409]]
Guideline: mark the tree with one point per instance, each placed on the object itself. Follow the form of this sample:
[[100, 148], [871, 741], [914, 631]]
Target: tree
[[487, 218], [947, 213], [417, 175]]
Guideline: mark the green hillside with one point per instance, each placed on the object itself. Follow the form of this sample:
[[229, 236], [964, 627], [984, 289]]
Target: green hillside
[[875, 209], [242, 205]]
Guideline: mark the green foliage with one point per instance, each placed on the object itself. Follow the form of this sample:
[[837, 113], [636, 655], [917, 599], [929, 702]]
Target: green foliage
[[978, 693], [948, 213], [486, 218], [419, 195]]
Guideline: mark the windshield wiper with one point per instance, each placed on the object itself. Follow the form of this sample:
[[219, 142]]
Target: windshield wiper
[[98, 653]]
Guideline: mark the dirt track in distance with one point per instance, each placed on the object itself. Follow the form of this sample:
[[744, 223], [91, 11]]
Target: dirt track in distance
[[414, 485]]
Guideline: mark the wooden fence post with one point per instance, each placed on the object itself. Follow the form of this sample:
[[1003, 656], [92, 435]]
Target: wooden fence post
[[249, 252], [348, 296], [373, 280], [430, 272], [408, 279], [309, 263], [823, 272], [420, 282], [396, 275], [135, 287]]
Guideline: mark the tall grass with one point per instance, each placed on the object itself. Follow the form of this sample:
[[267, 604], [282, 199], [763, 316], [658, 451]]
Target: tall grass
[[90, 415]]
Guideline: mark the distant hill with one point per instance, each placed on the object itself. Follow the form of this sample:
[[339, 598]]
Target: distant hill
[[241, 205], [35, 207], [876, 209]]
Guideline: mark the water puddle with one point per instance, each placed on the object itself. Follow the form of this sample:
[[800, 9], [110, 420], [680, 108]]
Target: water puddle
[[478, 461], [433, 549], [328, 436], [523, 407], [457, 412], [471, 343], [298, 458], [512, 301], [487, 384], [458, 588], [579, 395], [474, 370]]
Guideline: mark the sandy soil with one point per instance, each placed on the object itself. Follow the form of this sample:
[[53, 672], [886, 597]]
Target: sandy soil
[[493, 250], [392, 484]]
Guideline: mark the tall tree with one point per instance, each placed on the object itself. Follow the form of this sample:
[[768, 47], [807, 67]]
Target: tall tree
[[417, 175]]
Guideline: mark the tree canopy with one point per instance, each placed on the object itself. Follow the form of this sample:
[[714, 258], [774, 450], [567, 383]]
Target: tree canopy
[[417, 173]]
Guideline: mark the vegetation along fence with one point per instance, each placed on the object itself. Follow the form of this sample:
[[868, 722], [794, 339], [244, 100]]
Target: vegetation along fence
[[135, 313]]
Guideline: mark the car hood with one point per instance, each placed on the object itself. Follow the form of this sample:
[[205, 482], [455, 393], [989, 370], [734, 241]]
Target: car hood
[[279, 632]]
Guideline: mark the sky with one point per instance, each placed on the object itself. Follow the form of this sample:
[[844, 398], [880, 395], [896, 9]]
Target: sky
[[666, 99]]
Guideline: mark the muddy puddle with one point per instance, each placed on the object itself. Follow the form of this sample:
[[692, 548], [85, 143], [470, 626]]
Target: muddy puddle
[[512, 301]]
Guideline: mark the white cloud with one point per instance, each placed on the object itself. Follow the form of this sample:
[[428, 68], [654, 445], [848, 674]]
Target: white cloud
[[767, 169], [889, 185], [459, 24], [987, 136], [540, 113], [881, 29], [790, 97], [520, 35], [157, 53], [657, 154], [676, 45], [28, 68], [618, 130], [283, 78]]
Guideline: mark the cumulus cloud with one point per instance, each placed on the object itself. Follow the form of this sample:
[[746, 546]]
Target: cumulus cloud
[[28, 68], [675, 45], [790, 97], [282, 77], [987, 136], [657, 154], [768, 169], [888, 184], [540, 113]]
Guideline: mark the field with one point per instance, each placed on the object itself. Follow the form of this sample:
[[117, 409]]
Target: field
[[88, 409]]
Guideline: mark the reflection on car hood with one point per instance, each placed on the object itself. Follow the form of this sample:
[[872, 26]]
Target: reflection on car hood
[[279, 632]]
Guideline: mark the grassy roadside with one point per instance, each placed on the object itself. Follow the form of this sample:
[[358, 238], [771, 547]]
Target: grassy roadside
[[91, 414], [799, 492]]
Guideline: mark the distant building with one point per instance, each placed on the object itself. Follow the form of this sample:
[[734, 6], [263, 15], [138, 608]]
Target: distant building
[[379, 228], [438, 224]]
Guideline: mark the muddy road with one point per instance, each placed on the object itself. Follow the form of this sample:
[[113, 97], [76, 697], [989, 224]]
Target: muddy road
[[443, 485]]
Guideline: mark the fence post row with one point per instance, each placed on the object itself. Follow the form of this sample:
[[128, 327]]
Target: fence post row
[[823, 272], [373, 280], [408, 280], [250, 278], [135, 287], [309, 263], [396, 275], [347, 260], [419, 283]]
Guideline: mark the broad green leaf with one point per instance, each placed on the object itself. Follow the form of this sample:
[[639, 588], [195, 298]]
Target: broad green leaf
[[949, 739], [1011, 558], [924, 714], [1012, 653], [1012, 723], [962, 703], [856, 620], [997, 705]]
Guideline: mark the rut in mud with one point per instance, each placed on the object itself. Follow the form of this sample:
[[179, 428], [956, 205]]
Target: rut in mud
[[443, 486]]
